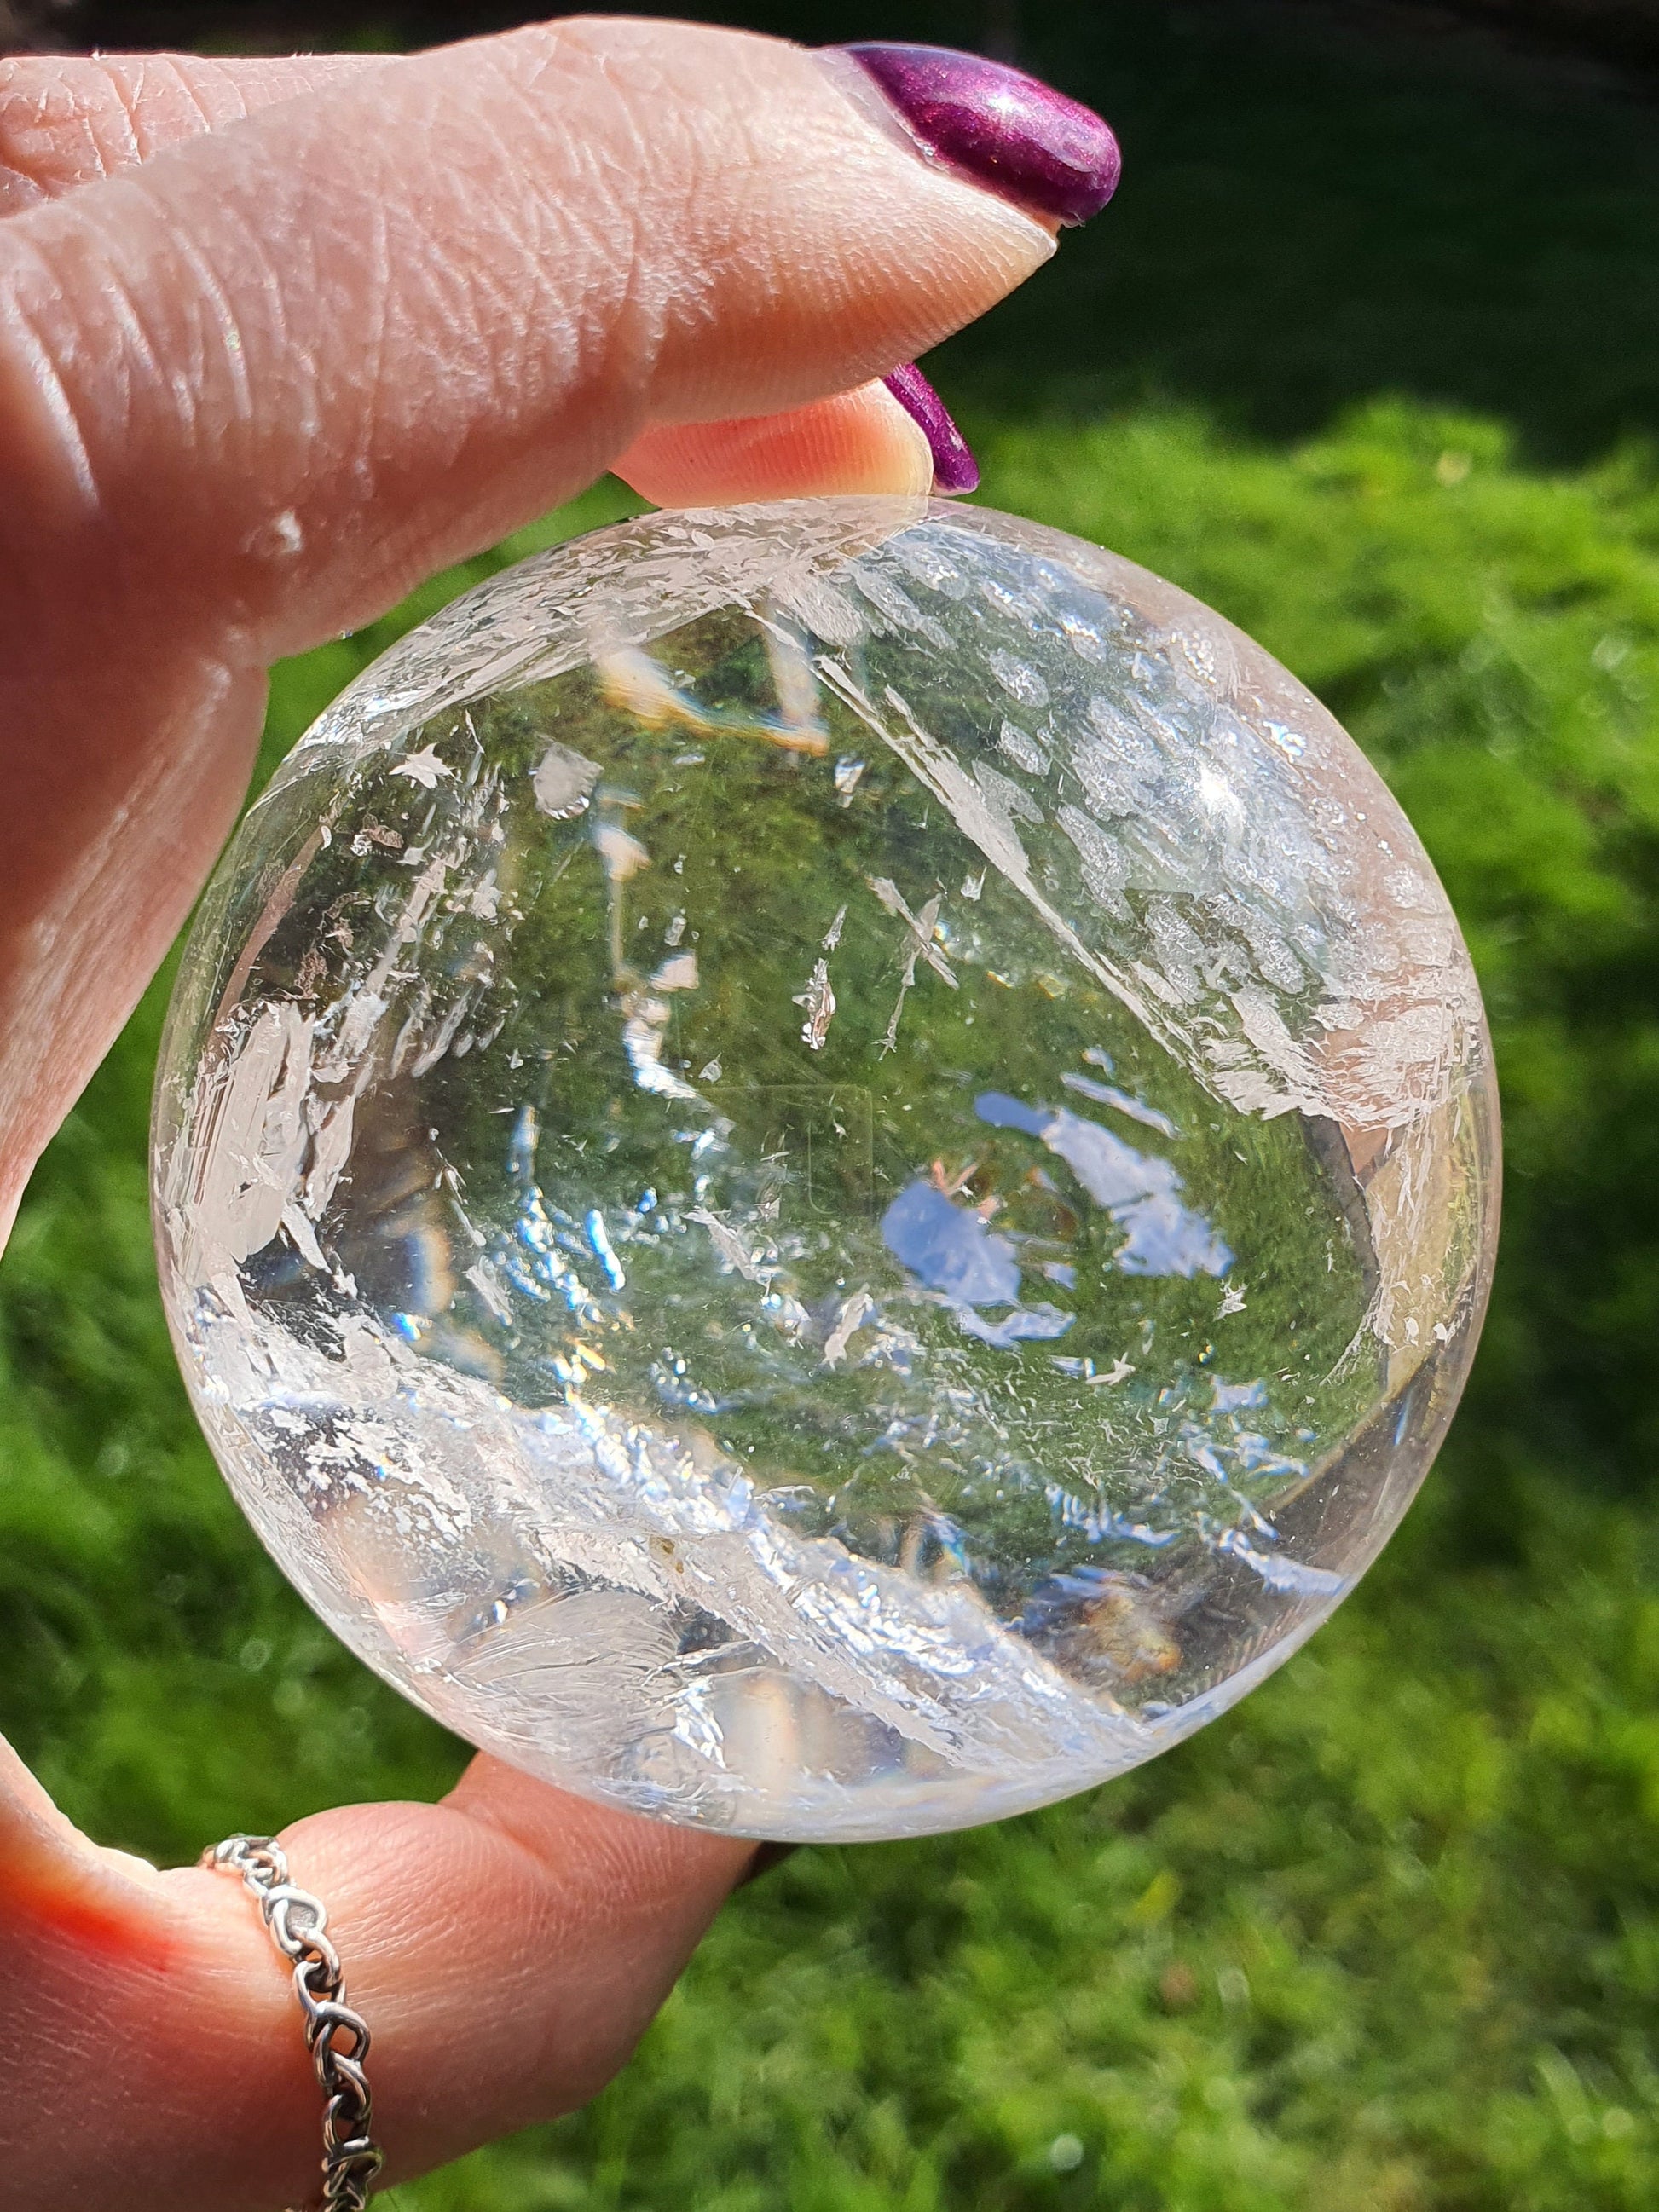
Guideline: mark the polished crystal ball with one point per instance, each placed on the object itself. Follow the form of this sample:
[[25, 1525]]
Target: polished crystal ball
[[826, 1169]]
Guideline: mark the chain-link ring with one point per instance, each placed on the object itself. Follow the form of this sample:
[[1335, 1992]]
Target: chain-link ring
[[296, 1923]]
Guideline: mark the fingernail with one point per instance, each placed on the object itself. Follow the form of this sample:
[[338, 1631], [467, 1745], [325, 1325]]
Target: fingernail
[[1002, 128], [955, 469]]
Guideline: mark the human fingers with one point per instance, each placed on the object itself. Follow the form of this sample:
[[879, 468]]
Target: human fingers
[[506, 1947], [67, 120], [253, 389], [656, 221], [70, 119], [141, 305], [891, 435]]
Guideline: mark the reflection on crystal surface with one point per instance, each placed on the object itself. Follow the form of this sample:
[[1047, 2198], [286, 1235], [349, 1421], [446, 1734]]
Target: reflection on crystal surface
[[826, 1169]]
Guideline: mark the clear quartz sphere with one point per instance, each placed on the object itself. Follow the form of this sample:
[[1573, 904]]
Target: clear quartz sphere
[[826, 1169]]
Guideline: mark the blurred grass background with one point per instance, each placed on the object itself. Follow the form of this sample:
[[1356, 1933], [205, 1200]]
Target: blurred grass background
[[1367, 354]]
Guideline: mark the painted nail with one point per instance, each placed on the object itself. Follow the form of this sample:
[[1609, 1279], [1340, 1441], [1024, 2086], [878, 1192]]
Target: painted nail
[[1004, 129], [955, 468]]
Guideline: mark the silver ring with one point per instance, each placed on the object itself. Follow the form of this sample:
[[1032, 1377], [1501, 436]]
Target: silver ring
[[297, 1922]]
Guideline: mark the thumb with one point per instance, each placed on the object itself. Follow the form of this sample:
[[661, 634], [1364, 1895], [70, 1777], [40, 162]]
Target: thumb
[[507, 1948]]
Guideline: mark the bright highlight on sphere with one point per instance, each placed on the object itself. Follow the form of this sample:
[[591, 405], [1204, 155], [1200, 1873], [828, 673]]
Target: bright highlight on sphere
[[825, 1169]]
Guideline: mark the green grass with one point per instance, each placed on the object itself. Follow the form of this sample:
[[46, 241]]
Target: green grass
[[1385, 1938]]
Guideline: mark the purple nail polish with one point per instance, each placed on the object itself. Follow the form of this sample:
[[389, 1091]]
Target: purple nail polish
[[1002, 128], [955, 468]]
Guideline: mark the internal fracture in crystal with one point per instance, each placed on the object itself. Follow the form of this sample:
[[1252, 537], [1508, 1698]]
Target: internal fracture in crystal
[[828, 1169]]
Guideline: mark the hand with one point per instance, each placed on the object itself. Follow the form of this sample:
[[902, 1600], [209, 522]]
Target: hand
[[277, 340]]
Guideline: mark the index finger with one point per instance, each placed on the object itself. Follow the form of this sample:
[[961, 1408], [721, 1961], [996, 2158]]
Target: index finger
[[441, 294], [254, 389]]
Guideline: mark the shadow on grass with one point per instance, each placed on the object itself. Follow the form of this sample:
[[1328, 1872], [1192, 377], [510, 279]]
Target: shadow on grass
[[1311, 217]]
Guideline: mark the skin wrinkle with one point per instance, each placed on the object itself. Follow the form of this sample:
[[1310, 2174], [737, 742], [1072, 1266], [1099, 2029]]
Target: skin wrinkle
[[594, 219], [129, 92], [183, 83], [37, 113], [236, 356], [215, 317], [137, 364], [547, 348], [227, 1991], [438, 330], [583, 1903], [18, 190], [474, 290], [64, 360], [64, 472], [66, 121], [614, 204], [378, 306], [538, 330]]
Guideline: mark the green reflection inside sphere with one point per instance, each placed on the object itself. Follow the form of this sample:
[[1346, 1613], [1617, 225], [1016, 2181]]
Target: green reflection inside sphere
[[825, 1169]]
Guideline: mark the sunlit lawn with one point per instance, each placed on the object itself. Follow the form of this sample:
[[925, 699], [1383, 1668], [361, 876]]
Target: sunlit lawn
[[1388, 1936]]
